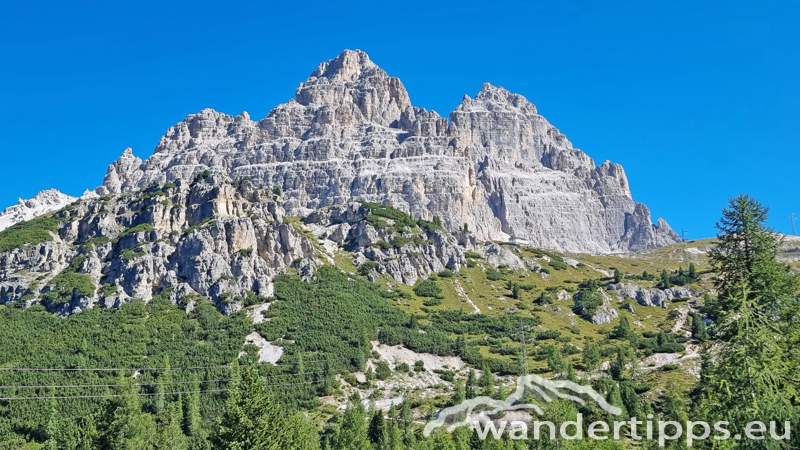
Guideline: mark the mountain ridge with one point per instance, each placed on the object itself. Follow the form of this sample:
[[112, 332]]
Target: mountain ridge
[[351, 133]]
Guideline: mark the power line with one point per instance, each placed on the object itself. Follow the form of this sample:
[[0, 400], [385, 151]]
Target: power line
[[116, 385], [110, 395], [227, 366], [172, 382], [163, 383], [152, 393]]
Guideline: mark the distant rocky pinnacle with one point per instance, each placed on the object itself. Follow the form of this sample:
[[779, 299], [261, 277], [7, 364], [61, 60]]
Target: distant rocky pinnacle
[[44, 202], [351, 133]]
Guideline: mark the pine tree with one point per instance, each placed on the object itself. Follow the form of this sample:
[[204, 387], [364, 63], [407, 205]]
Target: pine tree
[[459, 393], [617, 276], [469, 389], [555, 360], [753, 376], [170, 435], [591, 356], [160, 401], [253, 421], [623, 328], [699, 329], [406, 423], [617, 367], [353, 435], [487, 381], [383, 371], [631, 400], [299, 367], [665, 282], [377, 431], [192, 421], [125, 425], [614, 397], [692, 271]]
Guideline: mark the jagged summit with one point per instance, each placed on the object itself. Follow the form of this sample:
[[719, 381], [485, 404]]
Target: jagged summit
[[351, 133], [349, 66]]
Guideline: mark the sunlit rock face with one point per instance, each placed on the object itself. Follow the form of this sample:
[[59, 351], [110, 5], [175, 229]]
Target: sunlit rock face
[[351, 133]]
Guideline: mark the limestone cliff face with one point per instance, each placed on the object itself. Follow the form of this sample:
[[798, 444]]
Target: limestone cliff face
[[351, 133], [210, 239]]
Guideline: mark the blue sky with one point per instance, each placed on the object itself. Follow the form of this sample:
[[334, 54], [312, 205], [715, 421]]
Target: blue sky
[[699, 101]]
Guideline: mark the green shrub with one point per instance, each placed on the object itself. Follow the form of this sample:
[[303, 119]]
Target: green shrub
[[381, 244], [428, 288], [588, 300], [202, 176], [432, 226], [558, 265], [473, 255], [383, 371], [143, 227], [376, 221], [494, 275], [471, 263], [401, 220], [544, 299], [446, 375], [130, 253], [400, 241], [149, 195], [31, 232], [90, 244], [446, 273], [63, 285], [366, 268], [107, 290], [170, 185], [246, 252], [432, 302], [403, 368]]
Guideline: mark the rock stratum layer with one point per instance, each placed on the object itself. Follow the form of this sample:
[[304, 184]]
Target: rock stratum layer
[[351, 133]]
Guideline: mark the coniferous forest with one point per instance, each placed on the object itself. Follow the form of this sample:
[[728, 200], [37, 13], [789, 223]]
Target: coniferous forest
[[154, 376]]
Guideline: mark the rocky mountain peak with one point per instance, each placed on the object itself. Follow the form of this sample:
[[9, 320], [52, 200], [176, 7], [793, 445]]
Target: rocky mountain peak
[[497, 166], [495, 98], [348, 67], [353, 86]]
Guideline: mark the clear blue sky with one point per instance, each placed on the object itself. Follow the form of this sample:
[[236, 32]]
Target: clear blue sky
[[699, 101]]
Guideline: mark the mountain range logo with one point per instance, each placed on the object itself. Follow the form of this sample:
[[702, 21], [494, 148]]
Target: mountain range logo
[[547, 390]]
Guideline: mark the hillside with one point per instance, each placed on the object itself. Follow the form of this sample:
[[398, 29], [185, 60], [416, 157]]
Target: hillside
[[214, 274]]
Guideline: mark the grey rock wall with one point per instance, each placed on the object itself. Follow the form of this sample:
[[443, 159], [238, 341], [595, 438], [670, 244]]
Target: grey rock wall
[[351, 133]]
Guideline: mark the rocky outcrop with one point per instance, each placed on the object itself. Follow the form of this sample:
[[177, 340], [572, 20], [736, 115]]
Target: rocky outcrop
[[207, 240], [406, 254], [603, 314], [652, 296], [351, 133]]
